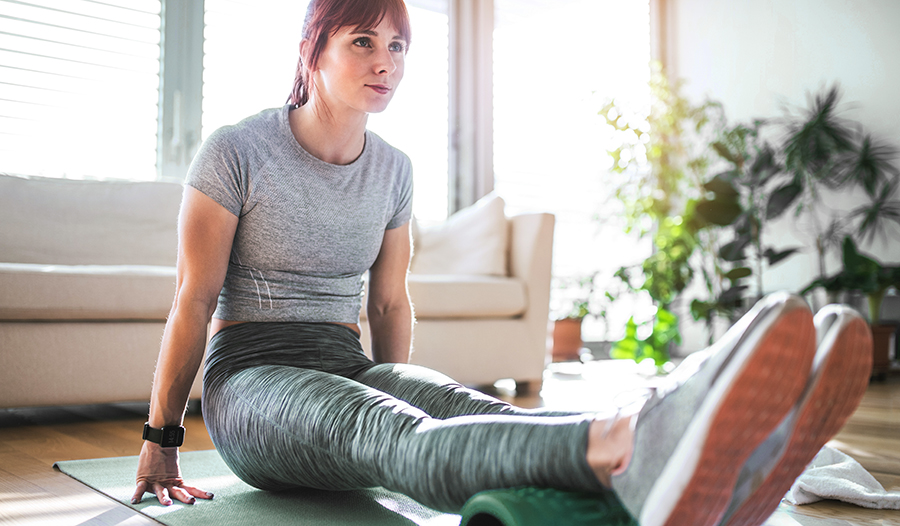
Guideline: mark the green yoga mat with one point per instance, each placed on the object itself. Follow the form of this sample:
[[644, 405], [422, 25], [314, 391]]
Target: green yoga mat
[[237, 503]]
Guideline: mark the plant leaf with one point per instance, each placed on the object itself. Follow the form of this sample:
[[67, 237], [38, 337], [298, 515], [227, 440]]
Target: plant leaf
[[701, 310], [725, 153], [870, 165], [774, 257], [764, 167], [876, 214], [732, 296], [738, 273], [781, 199], [720, 211], [721, 184], [815, 141], [734, 251]]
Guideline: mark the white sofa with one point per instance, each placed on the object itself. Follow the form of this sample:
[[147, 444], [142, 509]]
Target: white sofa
[[480, 286], [87, 279]]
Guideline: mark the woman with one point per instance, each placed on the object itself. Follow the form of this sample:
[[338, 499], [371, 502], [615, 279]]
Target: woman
[[282, 215]]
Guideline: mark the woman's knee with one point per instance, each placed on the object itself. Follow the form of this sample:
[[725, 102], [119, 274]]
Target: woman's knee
[[281, 426]]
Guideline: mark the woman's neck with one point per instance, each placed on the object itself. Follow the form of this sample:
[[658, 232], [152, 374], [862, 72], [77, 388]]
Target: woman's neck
[[335, 139]]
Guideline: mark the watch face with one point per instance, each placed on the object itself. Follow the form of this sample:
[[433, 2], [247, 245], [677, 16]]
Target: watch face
[[172, 436], [168, 436]]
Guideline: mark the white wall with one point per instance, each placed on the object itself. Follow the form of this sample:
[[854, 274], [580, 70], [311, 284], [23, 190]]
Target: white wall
[[760, 56], [754, 55]]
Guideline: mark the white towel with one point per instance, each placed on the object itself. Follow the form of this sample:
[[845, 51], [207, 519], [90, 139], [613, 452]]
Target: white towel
[[837, 476]]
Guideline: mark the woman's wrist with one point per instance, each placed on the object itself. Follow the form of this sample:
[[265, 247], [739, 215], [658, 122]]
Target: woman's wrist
[[166, 436]]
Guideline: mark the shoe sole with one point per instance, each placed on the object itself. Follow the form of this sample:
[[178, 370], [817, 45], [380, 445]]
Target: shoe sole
[[762, 391], [832, 400]]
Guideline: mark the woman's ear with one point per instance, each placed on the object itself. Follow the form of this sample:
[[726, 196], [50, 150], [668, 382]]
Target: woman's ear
[[304, 51]]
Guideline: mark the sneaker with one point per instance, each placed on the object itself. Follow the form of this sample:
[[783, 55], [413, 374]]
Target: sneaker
[[836, 384], [701, 424]]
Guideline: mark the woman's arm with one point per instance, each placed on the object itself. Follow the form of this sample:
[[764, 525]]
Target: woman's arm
[[389, 310], [205, 234]]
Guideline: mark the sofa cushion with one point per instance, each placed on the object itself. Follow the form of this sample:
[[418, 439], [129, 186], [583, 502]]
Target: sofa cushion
[[443, 296], [446, 296], [85, 292], [66, 222], [473, 241]]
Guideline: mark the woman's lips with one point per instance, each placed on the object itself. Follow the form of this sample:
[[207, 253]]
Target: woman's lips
[[380, 88]]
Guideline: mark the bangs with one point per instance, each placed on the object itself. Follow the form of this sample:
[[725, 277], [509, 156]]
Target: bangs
[[324, 18], [367, 14]]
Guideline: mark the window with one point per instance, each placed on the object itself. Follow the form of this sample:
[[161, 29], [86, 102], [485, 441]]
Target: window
[[63, 65], [250, 51], [416, 121], [556, 62]]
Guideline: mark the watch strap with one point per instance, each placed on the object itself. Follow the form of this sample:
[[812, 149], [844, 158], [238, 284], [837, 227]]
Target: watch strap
[[168, 436]]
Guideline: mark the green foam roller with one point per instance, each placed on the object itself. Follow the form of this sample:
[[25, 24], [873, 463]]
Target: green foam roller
[[530, 506]]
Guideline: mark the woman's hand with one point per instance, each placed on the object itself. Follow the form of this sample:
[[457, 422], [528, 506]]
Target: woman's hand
[[158, 472]]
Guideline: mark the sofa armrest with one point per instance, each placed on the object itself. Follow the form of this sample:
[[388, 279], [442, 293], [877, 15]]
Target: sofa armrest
[[531, 257]]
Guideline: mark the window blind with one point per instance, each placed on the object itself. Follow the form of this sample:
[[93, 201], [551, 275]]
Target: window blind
[[79, 84]]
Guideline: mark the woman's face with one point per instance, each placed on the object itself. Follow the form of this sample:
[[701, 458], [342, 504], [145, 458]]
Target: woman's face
[[359, 70]]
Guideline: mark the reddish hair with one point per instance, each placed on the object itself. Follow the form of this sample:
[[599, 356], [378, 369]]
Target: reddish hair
[[324, 18]]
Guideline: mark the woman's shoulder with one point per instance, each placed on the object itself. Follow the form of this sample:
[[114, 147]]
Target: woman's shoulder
[[250, 130], [383, 153]]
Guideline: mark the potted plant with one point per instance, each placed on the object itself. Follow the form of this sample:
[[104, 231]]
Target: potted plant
[[662, 158], [824, 152], [742, 189], [866, 275], [574, 304]]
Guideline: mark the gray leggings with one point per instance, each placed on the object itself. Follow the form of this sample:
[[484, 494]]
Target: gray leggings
[[299, 405]]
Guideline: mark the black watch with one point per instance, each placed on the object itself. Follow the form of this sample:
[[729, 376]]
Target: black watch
[[168, 436]]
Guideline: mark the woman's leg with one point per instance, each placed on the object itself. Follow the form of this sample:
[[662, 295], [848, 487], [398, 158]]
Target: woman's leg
[[279, 427], [439, 395]]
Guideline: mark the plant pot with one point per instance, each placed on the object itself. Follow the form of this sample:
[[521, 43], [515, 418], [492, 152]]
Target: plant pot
[[882, 339], [567, 342]]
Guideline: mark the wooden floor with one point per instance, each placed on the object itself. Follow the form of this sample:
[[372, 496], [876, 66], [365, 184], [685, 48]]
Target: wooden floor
[[31, 440]]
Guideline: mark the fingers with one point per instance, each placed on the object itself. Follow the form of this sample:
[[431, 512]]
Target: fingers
[[182, 495], [185, 494], [162, 494], [197, 492], [139, 492], [165, 493]]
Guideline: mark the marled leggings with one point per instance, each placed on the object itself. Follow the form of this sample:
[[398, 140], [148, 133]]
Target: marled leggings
[[300, 405]]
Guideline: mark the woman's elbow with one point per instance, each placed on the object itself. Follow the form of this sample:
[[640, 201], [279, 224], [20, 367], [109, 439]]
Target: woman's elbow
[[194, 303], [401, 306]]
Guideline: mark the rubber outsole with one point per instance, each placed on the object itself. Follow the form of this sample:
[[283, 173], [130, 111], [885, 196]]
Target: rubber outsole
[[832, 400], [760, 396]]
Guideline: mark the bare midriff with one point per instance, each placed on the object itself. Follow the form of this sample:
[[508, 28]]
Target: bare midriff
[[217, 325]]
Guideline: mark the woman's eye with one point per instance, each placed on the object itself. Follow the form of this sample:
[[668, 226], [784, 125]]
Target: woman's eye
[[397, 47], [362, 42]]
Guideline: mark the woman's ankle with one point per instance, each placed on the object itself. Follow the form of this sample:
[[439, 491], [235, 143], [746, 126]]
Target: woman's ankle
[[610, 446]]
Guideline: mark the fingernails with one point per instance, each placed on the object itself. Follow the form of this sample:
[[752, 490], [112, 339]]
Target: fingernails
[[193, 500], [210, 495], [134, 501], [167, 502]]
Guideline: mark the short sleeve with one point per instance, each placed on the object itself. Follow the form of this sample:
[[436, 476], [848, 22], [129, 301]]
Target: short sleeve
[[404, 197], [217, 171]]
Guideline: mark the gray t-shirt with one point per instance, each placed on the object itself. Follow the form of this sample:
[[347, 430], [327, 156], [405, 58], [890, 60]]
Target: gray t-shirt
[[307, 230]]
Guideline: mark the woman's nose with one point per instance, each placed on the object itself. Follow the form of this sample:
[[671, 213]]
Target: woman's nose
[[384, 62]]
